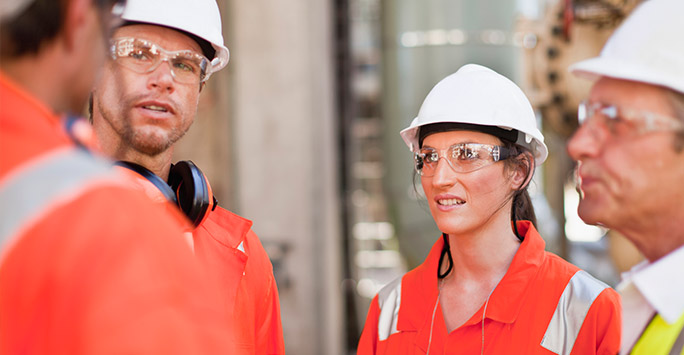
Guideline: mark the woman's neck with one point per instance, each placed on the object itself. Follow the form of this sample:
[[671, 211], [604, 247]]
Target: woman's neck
[[485, 253], [480, 260]]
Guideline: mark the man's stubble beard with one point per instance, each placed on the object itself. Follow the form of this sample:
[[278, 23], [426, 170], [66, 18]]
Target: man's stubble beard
[[152, 142], [149, 143]]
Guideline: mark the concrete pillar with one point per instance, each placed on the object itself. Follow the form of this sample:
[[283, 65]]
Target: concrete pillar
[[284, 157]]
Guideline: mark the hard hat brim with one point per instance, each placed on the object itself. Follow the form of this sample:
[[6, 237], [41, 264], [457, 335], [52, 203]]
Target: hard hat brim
[[598, 67]]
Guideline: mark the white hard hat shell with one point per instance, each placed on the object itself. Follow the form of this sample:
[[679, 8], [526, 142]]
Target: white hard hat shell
[[648, 47], [198, 17], [478, 95]]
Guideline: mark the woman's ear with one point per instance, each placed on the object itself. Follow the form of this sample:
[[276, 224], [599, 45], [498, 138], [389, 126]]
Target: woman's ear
[[521, 175]]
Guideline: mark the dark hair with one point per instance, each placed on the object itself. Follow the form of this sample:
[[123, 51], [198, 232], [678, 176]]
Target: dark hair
[[39, 23], [503, 134], [522, 208]]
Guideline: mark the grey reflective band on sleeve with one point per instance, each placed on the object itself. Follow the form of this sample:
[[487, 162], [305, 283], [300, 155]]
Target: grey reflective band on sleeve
[[389, 300], [573, 306], [49, 179]]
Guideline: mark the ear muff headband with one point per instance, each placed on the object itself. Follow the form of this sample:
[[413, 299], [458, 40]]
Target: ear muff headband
[[187, 188], [151, 177]]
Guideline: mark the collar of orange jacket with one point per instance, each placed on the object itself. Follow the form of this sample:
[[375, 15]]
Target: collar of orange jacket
[[504, 303]]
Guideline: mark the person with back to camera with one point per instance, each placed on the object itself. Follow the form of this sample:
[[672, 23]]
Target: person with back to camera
[[630, 154], [487, 286], [87, 264]]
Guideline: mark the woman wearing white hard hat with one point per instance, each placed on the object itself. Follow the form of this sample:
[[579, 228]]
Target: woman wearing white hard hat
[[487, 285]]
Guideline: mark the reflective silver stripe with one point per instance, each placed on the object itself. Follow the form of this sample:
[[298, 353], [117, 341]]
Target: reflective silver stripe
[[572, 309], [389, 300], [41, 183]]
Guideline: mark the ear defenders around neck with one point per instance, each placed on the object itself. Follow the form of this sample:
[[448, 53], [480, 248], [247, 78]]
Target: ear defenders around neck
[[192, 191], [187, 188]]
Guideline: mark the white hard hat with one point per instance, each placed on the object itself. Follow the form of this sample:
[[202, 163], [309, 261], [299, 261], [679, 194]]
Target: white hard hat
[[479, 96], [198, 17], [648, 47]]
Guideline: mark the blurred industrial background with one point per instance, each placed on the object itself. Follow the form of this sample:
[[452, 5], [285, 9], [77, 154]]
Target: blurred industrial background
[[301, 135]]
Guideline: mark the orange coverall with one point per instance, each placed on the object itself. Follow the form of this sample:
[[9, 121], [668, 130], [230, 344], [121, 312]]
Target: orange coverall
[[228, 247], [100, 270], [525, 314]]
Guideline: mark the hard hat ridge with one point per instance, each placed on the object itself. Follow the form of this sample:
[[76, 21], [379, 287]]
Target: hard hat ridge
[[477, 95]]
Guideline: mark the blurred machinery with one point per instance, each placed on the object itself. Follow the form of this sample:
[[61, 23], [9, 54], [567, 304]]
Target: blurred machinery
[[568, 31]]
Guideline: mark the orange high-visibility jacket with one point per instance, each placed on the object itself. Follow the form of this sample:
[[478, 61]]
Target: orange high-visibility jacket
[[228, 247], [88, 266], [543, 305]]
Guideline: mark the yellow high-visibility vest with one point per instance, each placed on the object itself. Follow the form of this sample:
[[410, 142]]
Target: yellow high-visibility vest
[[661, 338]]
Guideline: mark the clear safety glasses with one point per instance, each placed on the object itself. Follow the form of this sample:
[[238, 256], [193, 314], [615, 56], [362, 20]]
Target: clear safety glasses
[[142, 57], [620, 121], [462, 158]]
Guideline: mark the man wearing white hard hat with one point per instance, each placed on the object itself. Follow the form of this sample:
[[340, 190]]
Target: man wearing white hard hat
[[487, 286], [87, 264], [630, 153], [146, 100]]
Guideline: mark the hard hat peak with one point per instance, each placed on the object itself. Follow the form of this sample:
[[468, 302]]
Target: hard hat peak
[[480, 96], [647, 47]]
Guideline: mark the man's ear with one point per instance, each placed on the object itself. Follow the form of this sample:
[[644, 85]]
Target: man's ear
[[202, 85], [76, 21]]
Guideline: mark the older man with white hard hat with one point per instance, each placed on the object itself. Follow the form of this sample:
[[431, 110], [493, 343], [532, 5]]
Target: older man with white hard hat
[[146, 100], [630, 154]]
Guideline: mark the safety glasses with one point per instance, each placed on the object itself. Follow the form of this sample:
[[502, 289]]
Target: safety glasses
[[141, 56], [620, 121], [462, 157]]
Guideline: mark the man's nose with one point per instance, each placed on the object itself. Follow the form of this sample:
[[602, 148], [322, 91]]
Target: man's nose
[[585, 142], [161, 78]]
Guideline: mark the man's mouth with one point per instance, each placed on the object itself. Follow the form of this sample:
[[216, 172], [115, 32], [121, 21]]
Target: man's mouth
[[155, 108]]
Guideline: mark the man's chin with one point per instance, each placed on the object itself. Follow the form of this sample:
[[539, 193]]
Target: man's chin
[[151, 146], [590, 214]]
